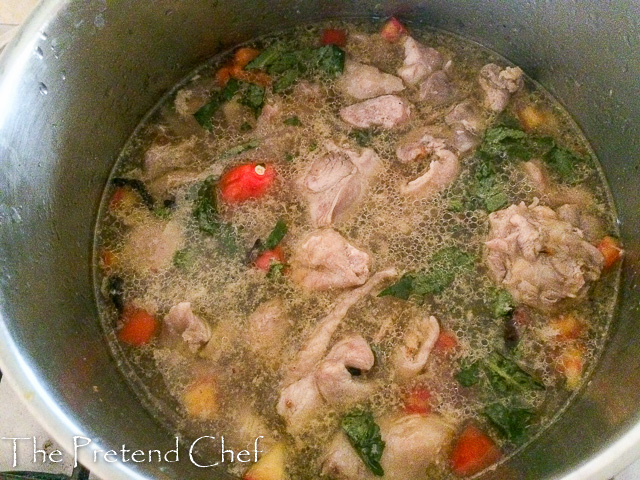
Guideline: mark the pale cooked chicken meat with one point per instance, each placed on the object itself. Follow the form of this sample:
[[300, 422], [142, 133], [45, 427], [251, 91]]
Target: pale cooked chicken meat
[[387, 111], [362, 81], [540, 258], [336, 181], [419, 62], [325, 260], [499, 84], [182, 322]]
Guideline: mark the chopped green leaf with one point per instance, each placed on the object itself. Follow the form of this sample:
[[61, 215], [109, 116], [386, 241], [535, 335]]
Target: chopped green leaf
[[204, 115], [313, 146], [292, 121], [276, 235], [183, 259], [275, 270], [252, 96], [403, 288], [364, 435], [456, 205], [266, 58], [162, 212], [330, 59], [207, 217], [563, 163], [245, 127], [469, 375], [288, 157], [496, 200], [511, 422], [452, 257], [505, 142], [434, 281], [503, 303], [362, 137], [238, 149], [286, 80], [506, 376]]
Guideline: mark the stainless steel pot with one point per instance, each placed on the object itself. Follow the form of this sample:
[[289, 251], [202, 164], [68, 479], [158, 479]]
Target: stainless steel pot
[[79, 77]]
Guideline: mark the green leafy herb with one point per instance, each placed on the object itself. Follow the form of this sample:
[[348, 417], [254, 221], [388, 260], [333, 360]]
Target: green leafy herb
[[445, 264], [252, 96], [292, 121], [276, 235], [511, 422], [204, 115], [506, 376], [183, 259], [162, 212], [275, 270], [266, 58], [245, 127], [208, 220], [313, 146], [288, 157], [503, 142], [330, 59], [238, 149], [286, 80], [364, 435], [563, 163], [362, 137], [403, 288], [137, 186], [503, 303], [469, 375]]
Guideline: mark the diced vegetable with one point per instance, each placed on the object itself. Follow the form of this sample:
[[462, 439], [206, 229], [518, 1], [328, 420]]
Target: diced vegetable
[[532, 117], [244, 55], [611, 251], [447, 342], [511, 422], [506, 376], [393, 30], [364, 435], [200, 399], [269, 257], [566, 327], [108, 259], [138, 327], [270, 466], [571, 364], [418, 400], [473, 451], [334, 36], [247, 181], [137, 186]]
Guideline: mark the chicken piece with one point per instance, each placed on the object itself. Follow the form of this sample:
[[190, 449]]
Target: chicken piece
[[411, 357], [540, 258], [590, 225], [266, 330], [412, 443], [316, 345], [341, 462], [247, 425], [465, 115], [556, 195], [499, 85], [421, 142], [299, 403], [363, 81], [182, 322], [387, 111], [437, 89], [443, 170], [336, 181], [150, 246], [464, 141], [337, 375], [325, 260], [419, 62]]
